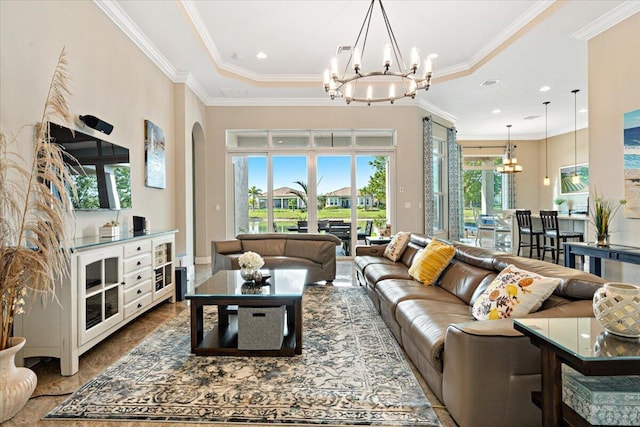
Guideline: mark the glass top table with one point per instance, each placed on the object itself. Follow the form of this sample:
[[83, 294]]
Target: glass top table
[[582, 344], [229, 283], [228, 291]]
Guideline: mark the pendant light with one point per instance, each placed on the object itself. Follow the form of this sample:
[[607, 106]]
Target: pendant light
[[509, 163], [547, 180], [575, 179]]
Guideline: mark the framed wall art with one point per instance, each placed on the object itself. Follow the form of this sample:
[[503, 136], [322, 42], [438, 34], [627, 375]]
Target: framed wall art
[[632, 164], [154, 156], [567, 186]]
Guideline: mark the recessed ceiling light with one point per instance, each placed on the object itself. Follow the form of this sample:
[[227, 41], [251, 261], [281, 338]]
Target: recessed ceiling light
[[261, 55], [545, 88], [489, 82], [497, 111], [584, 110], [433, 56]]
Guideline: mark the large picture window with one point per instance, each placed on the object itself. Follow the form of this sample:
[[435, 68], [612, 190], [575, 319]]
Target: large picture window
[[307, 180]]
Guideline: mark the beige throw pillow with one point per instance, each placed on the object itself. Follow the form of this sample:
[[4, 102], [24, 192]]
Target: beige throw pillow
[[513, 293], [397, 245]]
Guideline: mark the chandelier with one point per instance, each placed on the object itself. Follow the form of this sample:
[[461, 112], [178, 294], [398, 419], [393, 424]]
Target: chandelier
[[350, 87], [509, 163]]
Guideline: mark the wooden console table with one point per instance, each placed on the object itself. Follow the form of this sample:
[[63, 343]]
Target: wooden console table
[[596, 254]]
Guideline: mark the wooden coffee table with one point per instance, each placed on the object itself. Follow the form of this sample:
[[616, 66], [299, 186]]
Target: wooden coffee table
[[227, 290]]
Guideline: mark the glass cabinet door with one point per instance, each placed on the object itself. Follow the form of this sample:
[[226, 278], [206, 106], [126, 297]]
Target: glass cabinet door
[[100, 296]]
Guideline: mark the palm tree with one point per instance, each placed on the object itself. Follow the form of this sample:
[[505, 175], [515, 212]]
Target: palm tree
[[301, 194], [254, 193]]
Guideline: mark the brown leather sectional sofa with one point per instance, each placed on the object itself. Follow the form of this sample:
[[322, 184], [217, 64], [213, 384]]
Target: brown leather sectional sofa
[[483, 371], [314, 252]]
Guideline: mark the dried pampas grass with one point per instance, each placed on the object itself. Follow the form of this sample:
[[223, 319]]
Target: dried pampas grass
[[36, 215]]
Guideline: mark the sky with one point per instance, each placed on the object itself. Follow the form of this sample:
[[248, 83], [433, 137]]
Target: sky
[[333, 172]]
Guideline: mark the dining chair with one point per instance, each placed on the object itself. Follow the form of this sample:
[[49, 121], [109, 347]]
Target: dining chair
[[525, 228], [553, 236]]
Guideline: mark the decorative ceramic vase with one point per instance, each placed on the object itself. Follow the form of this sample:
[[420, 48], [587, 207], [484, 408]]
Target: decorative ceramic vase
[[247, 274], [602, 240], [16, 384], [617, 308]]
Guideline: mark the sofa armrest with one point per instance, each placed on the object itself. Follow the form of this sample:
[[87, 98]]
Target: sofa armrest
[[219, 250], [227, 246], [483, 356], [373, 250]]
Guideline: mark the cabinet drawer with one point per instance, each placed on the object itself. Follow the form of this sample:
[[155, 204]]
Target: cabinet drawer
[[136, 263], [137, 291], [139, 305], [133, 279], [137, 248]]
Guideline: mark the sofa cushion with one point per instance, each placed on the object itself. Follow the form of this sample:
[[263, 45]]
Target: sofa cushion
[[311, 250], [362, 262], [265, 247], [574, 284], [513, 293], [377, 272], [397, 245], [397, 290], [431, 261], [426, 322], [466, 281]]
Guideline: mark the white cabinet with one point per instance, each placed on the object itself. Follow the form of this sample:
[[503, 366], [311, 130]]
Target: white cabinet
[[110, 283]]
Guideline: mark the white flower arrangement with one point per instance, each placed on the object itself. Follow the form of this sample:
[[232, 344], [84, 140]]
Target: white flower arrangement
[[250, 260]]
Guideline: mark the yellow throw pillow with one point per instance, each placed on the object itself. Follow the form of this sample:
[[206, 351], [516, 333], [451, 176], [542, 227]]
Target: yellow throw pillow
[[431, 261], [397, 245]]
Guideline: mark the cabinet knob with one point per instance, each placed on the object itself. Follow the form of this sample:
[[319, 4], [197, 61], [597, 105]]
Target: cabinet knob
[[139, 248], [139, 291], [123, 283], [139, 262], [139, 305], [139, 277]]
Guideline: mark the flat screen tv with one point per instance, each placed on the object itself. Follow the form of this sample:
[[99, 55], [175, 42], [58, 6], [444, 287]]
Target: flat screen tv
[[102, 174]]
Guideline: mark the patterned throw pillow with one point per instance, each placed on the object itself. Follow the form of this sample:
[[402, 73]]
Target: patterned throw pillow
[[431, 261], [397, 245], [513, 293]]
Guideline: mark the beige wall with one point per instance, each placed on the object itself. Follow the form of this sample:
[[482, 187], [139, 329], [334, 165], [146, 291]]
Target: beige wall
[[614, 89], [111, 79], [406, 120], [561, 153]]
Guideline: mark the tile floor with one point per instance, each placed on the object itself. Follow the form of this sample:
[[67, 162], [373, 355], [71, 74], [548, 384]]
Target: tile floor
[[53, 388]]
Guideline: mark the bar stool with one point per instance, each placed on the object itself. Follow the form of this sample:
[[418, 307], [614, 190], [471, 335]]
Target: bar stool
[[556, 237], [525, 228]]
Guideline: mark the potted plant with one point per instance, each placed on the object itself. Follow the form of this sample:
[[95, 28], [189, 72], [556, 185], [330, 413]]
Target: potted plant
[[602, 213], [558, 202], [35, 224]]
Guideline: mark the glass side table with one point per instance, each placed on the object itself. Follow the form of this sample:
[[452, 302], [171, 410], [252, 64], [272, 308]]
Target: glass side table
[[582, 344]]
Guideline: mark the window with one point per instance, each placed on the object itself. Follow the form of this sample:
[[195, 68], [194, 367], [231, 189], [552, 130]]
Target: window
[[283, 180]]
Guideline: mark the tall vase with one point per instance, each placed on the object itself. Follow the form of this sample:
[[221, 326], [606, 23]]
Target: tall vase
[[602, 240], [16, 384]]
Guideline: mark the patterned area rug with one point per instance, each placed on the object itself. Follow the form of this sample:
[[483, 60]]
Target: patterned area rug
[[351, 372]]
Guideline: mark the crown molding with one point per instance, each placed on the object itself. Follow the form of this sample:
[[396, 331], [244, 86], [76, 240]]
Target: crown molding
[[122, 20], [608, 20], [432, 109], [299, 102]]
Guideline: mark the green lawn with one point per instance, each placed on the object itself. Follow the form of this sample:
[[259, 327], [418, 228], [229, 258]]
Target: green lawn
[[299, 215]]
